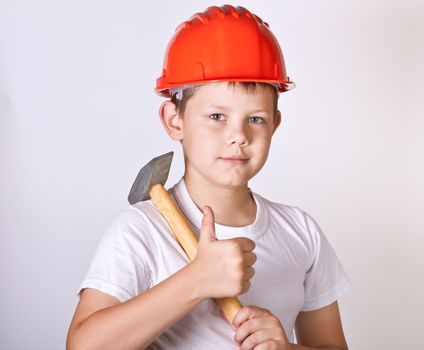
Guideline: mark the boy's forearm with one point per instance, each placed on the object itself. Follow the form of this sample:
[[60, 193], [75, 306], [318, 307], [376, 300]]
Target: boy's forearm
[[135, 323]]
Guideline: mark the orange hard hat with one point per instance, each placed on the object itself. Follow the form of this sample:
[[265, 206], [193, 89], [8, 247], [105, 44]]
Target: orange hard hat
[[224, 43]]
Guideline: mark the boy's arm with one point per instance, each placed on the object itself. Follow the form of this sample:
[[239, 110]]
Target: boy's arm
[[102, 322], [221, 268], [320, 328], [256, 327]]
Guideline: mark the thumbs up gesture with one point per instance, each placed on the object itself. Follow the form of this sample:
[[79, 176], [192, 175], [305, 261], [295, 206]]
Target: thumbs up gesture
[[224, 266]]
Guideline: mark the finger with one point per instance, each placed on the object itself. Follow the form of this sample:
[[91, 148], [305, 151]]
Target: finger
[[262, 339], [250, 272], [207, 231], [208, 214], [270, 345], [246, 313], [256, 324], [246, 328], [246, 287], [246, 244], [249, 258]]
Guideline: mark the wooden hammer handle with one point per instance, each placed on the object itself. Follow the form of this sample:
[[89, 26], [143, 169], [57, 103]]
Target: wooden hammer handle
[[188, 240]]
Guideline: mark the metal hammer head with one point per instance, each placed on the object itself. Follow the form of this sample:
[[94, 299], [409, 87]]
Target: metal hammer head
[[154, 172]]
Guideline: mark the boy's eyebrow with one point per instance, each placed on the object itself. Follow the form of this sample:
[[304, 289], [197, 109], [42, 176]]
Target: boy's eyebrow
[[228, 108], [217, 106], [259, 110]]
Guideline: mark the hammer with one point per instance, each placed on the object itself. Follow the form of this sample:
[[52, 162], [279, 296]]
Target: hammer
[[149, 183]]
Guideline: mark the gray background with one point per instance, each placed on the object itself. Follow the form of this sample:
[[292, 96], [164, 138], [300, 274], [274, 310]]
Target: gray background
[[78, 118]]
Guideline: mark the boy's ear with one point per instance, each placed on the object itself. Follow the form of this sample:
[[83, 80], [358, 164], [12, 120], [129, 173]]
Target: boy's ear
[[277, 121], [171, 120]]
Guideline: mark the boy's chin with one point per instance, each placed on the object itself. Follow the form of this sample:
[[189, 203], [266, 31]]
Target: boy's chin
[[232, 182], [217, 177]]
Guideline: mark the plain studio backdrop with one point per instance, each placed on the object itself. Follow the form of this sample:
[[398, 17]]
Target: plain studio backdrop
[[78, 119]]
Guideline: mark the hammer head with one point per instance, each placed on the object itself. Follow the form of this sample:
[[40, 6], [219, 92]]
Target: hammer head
[[154, 172]]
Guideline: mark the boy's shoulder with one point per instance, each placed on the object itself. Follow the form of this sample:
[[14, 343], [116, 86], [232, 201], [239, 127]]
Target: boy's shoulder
[[139, 219], [287, 210], [292, 217], [145, 211], [133, 221]]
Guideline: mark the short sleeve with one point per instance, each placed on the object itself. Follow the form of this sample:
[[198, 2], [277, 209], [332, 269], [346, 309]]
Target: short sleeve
[[119, 267], [326, 280]]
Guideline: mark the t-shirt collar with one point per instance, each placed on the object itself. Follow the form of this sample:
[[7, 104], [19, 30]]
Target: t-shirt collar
[[195, 215]]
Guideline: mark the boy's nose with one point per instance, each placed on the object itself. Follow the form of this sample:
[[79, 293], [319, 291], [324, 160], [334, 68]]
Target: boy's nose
[[240, 141], [238, 136]]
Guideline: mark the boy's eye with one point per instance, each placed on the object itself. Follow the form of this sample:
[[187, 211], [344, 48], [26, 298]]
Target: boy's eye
[[256, 120], [217, 116]]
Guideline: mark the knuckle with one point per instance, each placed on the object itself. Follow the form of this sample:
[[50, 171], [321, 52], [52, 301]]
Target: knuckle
[[246, 287], [238, 260], [252, 243], [249, 308], [239, 276], [253, 339], [252, 272], [274, 319], [270, 315], [247, 274], [245, 328], [240, 289], [233, 245], [247, 344]]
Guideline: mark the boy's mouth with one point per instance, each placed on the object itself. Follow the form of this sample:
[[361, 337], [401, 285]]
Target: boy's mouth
[[235, 159]]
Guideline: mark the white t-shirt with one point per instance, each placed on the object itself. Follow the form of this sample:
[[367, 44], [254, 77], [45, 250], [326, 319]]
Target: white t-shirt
[[296, 268]]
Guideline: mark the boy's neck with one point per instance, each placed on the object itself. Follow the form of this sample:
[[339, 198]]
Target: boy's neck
[[233, 206]]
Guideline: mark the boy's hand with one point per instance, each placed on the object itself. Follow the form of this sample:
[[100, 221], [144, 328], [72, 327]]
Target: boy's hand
[[224, 266], [259, 329]]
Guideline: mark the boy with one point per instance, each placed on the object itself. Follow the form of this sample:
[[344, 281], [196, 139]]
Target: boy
[[223, 71]]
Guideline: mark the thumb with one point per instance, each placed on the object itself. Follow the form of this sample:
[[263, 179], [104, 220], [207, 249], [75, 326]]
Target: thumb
[[207, 231]]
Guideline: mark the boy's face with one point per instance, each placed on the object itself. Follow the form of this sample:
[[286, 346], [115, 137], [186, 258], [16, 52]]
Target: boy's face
[[221, 123]]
